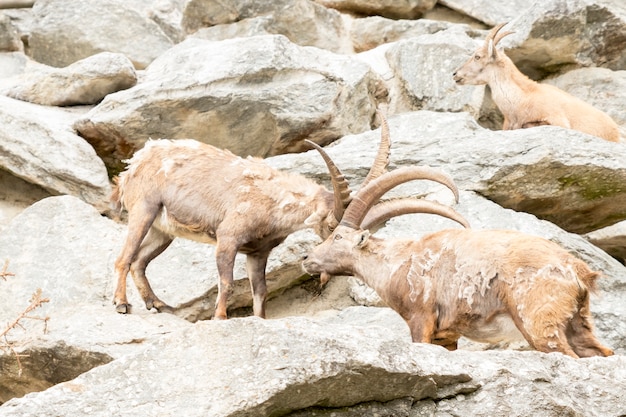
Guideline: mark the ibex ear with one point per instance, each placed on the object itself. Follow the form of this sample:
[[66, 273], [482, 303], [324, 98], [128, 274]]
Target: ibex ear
[[313, 219], [363, 238]]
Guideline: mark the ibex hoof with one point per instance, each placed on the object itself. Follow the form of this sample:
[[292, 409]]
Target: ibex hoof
[[123, 308], [164, 308], [159, 306]]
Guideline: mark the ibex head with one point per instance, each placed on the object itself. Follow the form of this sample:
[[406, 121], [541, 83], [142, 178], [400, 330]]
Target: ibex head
[[476, 69], [341, 188], [364, 211]]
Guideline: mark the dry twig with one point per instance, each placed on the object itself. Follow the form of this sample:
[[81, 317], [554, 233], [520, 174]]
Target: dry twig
[[4, 273], [35, 302]]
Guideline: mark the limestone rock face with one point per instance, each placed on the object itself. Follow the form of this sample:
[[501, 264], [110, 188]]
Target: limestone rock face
[[86, 81], [262, 96], [59, 39], [84, 85], [9, 35], [561, 33], [39, 146], [303, 22], [402, 9]]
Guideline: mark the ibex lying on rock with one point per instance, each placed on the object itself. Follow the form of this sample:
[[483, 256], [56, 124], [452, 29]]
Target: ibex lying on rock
[[488, 286], [526, 103], [192, 190]]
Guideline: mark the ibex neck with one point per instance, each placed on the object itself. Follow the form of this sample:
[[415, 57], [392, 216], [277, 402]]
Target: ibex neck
[[509, 86], [373, 267]]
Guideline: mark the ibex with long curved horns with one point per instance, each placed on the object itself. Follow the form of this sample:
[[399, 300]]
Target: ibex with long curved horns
[[526, 103], [184, 188], [489, 286]]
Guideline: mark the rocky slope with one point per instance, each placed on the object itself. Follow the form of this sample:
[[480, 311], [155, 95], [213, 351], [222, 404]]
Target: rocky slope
[[79, 95]]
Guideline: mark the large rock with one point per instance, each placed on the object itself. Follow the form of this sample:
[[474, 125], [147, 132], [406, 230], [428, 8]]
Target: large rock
[[489, 12], [86, 81], [263, 96], [58, 38], [9, 35], [370, 32], [554, 173], [611, 239], [15, 195], [39, 146], [303, 22], [423, 68], [394, 9], [12, 64], [277, 367], [167, 14], [564, 33]]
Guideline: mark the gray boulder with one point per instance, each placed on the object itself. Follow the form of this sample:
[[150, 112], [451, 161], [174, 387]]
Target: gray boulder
[[39, 146], [556, 174], [423, 68], [394, 9], [369, 32], [558, 34], [295, 365], [489, 12], [86, 81], [9, 35], [611, 239], [303, 22], [263, 96], [62, 35]]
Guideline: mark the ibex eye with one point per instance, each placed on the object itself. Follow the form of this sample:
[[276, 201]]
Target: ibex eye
[[338, 237], [476, 57]]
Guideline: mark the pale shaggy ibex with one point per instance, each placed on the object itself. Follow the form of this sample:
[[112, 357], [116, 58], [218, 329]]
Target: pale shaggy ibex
[[192, 190], [525, 103], [488, 286], [184, 188]]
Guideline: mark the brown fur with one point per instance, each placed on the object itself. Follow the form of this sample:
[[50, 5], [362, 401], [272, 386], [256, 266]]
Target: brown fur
[[526, 103], [488, 286], [187, 189]]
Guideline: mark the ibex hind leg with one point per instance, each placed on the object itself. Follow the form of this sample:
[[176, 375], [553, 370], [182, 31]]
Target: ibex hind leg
[[139, 221], [225, 253], [152, 246], [256, 264], [580, 335]]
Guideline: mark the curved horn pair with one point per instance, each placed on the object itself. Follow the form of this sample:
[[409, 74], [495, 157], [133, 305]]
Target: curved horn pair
[[362, 210], [384, 211], [341, 188], [367, 196], [495, 35]]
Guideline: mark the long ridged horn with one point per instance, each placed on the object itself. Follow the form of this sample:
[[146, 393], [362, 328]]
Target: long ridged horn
[[379, 167], [341, 187], [495, 35], [385, 210], [367, 196]]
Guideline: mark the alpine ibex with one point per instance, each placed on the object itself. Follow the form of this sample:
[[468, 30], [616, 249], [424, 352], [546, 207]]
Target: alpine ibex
[[184, 188], [526, 103], [489, 286]]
